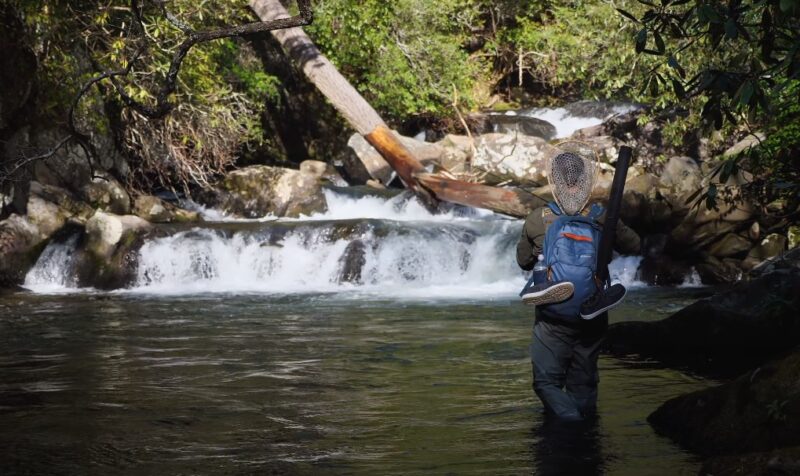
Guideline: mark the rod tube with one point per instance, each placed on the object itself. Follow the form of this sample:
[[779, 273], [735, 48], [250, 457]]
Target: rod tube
[[612, 213]]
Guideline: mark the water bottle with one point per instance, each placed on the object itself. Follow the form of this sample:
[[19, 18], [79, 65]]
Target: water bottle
[[540, 271]]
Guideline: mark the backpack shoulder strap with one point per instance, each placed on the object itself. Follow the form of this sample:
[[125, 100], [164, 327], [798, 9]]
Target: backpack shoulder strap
[[553, 206], [548, 217], [596, 211]]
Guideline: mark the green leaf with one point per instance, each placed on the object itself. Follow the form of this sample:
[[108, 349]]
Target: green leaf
[[678, 88], [641, 40], [746, 92], [627, 15], [787, 5], [659, 42], [731, 30]]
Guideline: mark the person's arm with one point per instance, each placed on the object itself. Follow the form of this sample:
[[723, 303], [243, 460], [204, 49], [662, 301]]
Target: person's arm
[[531, 242]]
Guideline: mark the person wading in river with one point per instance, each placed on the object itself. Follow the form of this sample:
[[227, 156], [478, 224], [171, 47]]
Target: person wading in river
[[566, 346]]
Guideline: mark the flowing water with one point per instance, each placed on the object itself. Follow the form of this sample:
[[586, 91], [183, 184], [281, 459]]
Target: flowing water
[[279, 346]]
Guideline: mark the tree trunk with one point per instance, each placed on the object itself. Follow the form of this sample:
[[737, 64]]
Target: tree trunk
[[508, 201], [366, 121], [344, 97]]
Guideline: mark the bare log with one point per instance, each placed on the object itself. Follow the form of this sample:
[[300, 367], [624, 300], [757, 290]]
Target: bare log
[[344, 97], [508, 201]]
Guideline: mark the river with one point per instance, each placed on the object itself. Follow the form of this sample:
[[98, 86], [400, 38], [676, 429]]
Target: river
[[238, 350]]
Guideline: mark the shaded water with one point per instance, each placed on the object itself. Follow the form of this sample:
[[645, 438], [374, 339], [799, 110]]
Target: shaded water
[[310, 384]]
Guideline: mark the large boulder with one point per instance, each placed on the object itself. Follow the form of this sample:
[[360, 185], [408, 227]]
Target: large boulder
[[105, 193], [20, 244], [261, 190], [725, 334], [457, 152], [515, 157], [680, 178], [771, 246], [759, 411], [719, 271], [104, 231], [731, 244], [109, 250]]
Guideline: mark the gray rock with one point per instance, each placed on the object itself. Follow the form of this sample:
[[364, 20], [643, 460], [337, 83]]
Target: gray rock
[[522, 124], [323, 171], [771, 246], [716, 271], [730, 245], [104, 231], [516, 157], [155, 210], [352, 262], [425, 152], [105, 193], [793, 236], [758, 411], [20, 243], [261, 190], [680, 178], [725, 334]]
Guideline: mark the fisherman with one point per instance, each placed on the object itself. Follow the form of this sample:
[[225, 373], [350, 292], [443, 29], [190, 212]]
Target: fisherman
[[570, 324]]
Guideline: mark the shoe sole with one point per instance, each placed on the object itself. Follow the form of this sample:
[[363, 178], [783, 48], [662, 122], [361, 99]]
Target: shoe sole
[[555, 293], [610, 306]]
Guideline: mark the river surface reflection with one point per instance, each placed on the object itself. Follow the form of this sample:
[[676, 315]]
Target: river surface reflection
[[309, 384]]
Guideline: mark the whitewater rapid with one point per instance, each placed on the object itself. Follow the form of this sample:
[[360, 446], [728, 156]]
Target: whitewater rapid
[[366, 247]]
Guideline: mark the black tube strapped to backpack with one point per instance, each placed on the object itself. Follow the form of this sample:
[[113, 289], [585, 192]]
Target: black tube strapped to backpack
[[612, 214]]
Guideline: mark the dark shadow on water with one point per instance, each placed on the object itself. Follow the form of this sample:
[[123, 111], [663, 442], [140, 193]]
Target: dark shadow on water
[[561, 447]]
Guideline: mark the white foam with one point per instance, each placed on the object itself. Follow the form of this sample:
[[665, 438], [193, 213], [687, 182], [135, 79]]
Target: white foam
[[624, 270], [566, 124], [692, 280]]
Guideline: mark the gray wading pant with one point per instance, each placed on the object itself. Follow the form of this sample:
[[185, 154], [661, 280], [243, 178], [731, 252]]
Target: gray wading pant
[[564, 362]]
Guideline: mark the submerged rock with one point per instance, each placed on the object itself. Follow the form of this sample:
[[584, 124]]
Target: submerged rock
[[781, 461], [725, 334], [759, 411], [352, 262]]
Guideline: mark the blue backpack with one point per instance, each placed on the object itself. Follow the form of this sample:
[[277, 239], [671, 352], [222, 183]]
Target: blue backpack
[[570, 254]]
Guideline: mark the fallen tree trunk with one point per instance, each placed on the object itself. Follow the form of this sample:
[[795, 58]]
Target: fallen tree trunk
[[344, 97], [508, 201], [366, 121]]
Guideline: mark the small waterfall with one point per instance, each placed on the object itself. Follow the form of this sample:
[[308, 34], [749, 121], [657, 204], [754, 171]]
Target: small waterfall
[[377, 257], [362, 246], [55, 271], [624, 269], [568, 121]]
